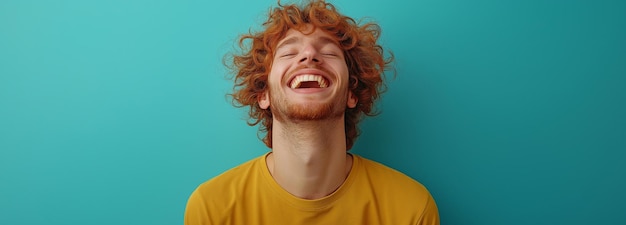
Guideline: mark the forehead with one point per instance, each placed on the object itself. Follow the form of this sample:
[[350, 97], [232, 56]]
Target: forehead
[[317, 37]]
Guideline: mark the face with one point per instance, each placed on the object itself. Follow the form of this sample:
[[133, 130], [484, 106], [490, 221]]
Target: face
[[308, 79]]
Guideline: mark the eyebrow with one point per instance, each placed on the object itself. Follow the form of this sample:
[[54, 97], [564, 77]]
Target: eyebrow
[[323, 41], [287, 41]]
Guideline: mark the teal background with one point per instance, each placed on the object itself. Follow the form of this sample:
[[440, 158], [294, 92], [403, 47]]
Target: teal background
[[510, 112]]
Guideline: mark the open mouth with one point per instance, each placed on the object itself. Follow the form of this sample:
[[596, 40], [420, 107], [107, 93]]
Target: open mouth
[[308, 81]]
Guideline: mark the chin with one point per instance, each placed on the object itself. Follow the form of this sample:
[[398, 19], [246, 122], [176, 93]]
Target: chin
[[311, 112]]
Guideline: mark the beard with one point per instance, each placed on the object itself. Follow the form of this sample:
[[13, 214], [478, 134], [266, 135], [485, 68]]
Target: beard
[[284, 110]]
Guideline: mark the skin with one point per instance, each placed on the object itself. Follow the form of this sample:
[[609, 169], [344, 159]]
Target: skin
[[309, 158]]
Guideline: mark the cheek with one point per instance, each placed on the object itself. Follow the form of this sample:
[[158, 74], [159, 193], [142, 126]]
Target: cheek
[[345, 70], [277, 70], [274, 76], [342, 71]]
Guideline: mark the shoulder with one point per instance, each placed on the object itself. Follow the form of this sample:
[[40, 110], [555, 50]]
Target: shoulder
[[225, 186], [399, 193], [211, 199], [393, 184], [384, 174], [231, 178]]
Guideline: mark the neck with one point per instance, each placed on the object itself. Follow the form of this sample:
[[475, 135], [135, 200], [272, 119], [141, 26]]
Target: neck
[[309, 159]]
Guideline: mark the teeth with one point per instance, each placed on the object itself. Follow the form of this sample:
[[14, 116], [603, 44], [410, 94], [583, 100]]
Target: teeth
[[297, 81]]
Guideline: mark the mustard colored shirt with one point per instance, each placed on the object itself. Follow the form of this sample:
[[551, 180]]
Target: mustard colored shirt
[[371, 194]]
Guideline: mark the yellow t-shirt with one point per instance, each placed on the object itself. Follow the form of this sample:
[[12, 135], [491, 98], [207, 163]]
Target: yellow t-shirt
[[371, 194]]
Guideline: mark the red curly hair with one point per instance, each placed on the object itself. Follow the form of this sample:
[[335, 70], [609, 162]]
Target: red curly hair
[[364, 57]]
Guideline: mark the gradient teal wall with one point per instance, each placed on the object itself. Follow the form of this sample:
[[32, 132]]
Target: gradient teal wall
[[510, 112]]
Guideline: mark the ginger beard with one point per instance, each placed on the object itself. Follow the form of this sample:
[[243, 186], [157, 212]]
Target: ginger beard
[[304, 112], [308, 79], [284, 109]]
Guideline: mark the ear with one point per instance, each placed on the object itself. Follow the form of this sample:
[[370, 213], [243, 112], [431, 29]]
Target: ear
[[264, 100], [352, 100]]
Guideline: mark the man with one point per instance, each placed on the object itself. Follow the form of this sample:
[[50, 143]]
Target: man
[[307, 78]]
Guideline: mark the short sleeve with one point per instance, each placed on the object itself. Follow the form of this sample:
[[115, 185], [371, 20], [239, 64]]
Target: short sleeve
[[196, 210], [430, 215]]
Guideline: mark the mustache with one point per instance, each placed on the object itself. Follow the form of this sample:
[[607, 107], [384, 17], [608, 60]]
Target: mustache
[[316, 67]]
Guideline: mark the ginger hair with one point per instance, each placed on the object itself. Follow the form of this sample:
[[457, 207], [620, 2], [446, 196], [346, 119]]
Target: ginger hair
[[364, 57]]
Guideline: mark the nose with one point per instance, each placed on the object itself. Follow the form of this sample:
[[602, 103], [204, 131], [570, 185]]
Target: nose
[[310, 55]]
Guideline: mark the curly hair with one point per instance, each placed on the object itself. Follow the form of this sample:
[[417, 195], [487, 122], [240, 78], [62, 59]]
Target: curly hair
[[364, 58]]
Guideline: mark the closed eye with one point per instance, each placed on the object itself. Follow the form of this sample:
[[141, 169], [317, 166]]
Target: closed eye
[[288, 55]]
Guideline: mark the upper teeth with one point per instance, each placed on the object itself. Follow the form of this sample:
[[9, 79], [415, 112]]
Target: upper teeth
[[303, 78]]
